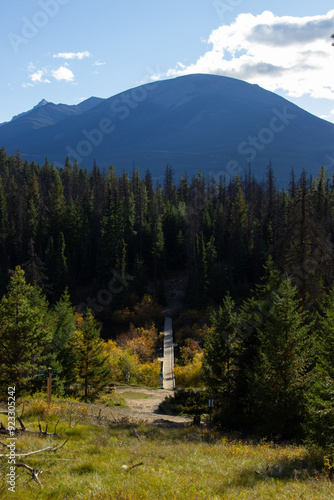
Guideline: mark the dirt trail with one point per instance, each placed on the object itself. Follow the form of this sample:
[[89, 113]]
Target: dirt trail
[[145, 409], [139, 408]]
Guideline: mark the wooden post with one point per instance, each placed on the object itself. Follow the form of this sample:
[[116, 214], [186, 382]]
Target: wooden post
[[210, 410], [49, 386]]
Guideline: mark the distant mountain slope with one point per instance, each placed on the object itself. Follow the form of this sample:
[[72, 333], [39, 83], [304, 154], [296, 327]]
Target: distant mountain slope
[[47, 113], [43, 102], [214, 123]]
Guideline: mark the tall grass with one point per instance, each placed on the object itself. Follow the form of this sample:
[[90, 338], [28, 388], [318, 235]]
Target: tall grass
[[178, 463]]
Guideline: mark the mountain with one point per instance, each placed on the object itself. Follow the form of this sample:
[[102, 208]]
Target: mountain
[[44, 114], [41, 103], [208, 122]]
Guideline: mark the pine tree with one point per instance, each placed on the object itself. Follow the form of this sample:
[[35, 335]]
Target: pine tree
[[169, 190], [24, 332], [238, 245], [92, 367], [220, 352], [278, 380], [112, 243], [35, 270], [320, 409], [33, 207], [50, 261], [198, 280], [158, 244], [63, 340], [62, 277], [56, 204], [4, 234]]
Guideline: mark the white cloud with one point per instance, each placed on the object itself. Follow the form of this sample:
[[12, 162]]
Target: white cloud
[[63, 73], [293, 54], [156, 77], [98, 63], [72, 55], [39, 77], [31, 67], [332, 112]]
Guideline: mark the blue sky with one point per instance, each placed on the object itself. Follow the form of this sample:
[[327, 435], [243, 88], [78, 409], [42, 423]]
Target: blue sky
[[68, 50]]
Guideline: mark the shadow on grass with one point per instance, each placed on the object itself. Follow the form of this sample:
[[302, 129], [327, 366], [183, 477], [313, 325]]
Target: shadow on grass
[[285, 470]]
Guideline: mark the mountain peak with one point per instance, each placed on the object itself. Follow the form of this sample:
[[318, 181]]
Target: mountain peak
[[41, 103]]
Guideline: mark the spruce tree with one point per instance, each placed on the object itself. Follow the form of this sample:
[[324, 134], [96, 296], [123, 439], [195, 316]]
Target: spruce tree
[[197, 289], [92, 368], [4, 234], [24, 332], [320, 410], [62, 277], [220, 353], [35, 270], [33, 215], [63, 340], [279, 380]]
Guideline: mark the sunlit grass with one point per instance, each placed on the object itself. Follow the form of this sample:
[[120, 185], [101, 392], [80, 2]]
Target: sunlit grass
[[182, 463]]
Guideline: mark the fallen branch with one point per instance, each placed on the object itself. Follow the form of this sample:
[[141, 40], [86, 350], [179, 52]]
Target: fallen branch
[[127, 468], [99, 417], [50, 448], [4, 444], [136, 465], [4, 430], [137, 435], [23, 427], [34, 473]]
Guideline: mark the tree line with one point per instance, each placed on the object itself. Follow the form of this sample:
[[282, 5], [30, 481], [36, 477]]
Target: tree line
[[72, 228]]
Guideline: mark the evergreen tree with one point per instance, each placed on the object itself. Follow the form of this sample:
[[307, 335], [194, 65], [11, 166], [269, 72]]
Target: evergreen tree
[[4, 234], [158, 244], [63, 340], [169, 190], [113, 246], [320, 410], [198, 280], [33, 207], [279, 379], [219, 360], [92, 367], [50, 261], [35, 270], [62, 277], [24, 332], [56, 204], [239, 244]]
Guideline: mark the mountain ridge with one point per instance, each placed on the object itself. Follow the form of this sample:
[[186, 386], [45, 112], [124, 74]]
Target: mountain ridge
[[213, 123]]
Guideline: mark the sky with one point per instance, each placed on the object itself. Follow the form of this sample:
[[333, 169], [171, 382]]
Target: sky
[[66, 51]]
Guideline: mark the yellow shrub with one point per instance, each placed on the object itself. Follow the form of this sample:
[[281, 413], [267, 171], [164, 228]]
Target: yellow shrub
[[190, 374], [148, 373], [122, 362]]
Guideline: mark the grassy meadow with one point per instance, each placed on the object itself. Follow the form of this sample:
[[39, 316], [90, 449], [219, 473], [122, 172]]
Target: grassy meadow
[[125, 460]]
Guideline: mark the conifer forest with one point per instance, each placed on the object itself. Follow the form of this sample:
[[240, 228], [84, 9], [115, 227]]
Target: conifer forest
[[84, 262]]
